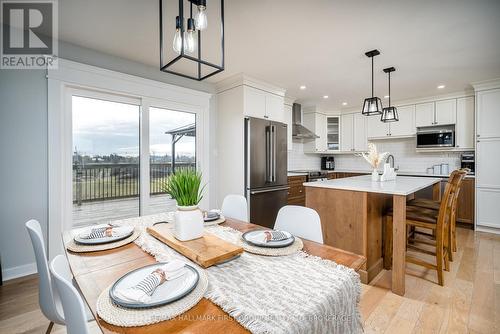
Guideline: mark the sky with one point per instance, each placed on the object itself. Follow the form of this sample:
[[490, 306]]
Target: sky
[[103, 127]]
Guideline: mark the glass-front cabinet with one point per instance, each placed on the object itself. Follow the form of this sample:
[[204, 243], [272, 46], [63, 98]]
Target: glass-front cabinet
[[332, 133]]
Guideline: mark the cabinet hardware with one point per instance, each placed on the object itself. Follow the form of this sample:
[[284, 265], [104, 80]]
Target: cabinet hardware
[[265, 116], [478, 141], [478, 136]]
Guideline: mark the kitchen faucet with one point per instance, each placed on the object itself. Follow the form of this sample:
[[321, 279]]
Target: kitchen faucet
[[390, 160]]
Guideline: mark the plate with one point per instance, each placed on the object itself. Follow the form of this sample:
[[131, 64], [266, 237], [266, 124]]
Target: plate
[[247, 236], [99, 241], [165, 293]]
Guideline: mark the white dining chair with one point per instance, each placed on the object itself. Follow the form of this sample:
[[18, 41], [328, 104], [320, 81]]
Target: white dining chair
[[235, 206], [47, 298], [72, 303], [300, 221]]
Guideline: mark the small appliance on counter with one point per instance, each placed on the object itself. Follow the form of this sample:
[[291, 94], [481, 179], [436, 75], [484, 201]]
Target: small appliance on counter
[[467, 161], [328, 163]]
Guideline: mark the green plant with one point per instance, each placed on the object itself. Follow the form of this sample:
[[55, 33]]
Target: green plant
[[184, 187]]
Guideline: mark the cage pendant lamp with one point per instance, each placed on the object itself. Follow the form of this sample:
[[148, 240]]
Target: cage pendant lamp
[[389, 114], [372, 105], [187, 43]]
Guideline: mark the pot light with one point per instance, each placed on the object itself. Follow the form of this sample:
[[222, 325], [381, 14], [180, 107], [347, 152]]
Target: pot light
[[344, 103], [441, 86], [325, 96], [302, 87], [386, 97]]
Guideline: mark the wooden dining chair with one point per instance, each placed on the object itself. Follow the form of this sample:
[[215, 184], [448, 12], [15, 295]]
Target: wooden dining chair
[[434, 205], [439, 225]]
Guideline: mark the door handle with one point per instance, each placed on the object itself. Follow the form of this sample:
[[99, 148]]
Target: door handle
[[268, 155], [273, 132], [269, 190]]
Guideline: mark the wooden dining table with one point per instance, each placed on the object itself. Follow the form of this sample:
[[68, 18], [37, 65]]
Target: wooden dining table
[[95, 271]]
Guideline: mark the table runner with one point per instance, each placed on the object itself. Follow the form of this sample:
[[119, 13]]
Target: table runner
[[297, 293]]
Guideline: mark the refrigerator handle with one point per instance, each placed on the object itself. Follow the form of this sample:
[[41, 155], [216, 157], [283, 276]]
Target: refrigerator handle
[[268, 155], [273, 132]]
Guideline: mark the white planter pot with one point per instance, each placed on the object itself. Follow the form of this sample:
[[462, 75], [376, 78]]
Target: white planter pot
[[188, 223], [375, 176]]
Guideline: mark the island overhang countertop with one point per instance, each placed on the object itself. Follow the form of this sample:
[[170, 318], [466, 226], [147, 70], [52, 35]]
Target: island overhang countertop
[[403, 185]]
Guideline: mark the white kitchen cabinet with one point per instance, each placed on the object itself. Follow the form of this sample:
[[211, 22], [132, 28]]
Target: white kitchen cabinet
[[261, 104], [488, 159], [424, 114], [445, 112], [275, 108], [376, 128], [346, 132], [333, 133], [406, 125], [464, 128], [359, 133], [316, 122], [289, 123]]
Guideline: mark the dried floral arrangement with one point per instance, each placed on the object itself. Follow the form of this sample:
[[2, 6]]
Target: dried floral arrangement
[[373, 157]]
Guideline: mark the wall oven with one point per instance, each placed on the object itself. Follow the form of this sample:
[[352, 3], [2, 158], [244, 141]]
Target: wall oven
[[428, 137]]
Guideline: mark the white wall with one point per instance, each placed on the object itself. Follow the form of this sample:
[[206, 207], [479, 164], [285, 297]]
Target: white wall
[[23, 147], [405, 155]]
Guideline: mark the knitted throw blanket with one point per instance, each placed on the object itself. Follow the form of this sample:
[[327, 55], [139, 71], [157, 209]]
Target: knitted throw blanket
[[297, 293]]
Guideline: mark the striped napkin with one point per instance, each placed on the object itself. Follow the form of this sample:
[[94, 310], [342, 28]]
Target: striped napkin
[[97, 232], [270, 235], [142, 291]]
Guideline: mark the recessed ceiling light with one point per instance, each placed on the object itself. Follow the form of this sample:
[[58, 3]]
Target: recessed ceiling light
[[441, 86], [302, 87], [344, 103], [325, 96], [386, 97]]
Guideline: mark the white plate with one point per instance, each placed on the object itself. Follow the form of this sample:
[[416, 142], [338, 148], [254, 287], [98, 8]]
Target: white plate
[[248, 237], [99, 241], [166, 293]]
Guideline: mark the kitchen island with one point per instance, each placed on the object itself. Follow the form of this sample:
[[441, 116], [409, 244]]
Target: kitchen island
[[352, 213]]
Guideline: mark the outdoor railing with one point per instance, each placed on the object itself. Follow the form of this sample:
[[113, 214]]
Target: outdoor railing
[[98, 181]]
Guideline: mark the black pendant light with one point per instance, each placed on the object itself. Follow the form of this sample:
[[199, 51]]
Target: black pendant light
[[389, 114], [372, 105], [187, 44]]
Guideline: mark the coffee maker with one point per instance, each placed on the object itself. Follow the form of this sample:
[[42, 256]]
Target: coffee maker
[[467, 161], [328, 163]]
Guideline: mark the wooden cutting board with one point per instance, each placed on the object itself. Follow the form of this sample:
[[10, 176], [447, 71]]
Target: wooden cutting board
[[206, 251]]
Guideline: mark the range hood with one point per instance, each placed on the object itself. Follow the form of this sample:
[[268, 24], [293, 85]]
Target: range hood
[[298, 130]]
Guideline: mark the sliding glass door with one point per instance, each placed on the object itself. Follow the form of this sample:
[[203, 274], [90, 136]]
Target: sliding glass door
[[105, 158]]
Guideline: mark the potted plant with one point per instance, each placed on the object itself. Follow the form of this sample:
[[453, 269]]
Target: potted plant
[[185, 187], [374, 159]]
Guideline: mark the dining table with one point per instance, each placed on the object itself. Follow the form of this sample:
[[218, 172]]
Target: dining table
[[94, 271]]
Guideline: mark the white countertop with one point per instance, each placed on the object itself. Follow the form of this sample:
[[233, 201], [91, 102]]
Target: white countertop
[[403, 185], [296, 174], [399, 172]]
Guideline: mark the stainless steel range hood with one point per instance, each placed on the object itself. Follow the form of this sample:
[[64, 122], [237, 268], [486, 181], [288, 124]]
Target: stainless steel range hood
[[298, 130]]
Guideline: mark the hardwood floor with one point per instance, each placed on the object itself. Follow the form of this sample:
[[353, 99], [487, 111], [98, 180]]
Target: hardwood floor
[[468, 303]]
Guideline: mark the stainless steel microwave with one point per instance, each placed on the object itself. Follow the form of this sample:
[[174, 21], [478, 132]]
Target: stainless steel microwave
[[432, 136]]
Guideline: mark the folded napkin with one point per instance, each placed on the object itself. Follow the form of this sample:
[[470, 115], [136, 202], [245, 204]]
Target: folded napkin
[[97, 232], [266, 236], [142, 291]]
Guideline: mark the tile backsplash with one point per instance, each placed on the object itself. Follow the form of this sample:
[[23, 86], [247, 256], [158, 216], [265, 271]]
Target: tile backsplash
[[298, 160], [403, 150], [405, 154]]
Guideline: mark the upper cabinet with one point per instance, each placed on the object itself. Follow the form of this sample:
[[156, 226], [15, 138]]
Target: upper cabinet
[[405, 127], [359, 133], [333, 133], [346, 133], [262, 104], [464, 129], [436, 113], [316, 122]]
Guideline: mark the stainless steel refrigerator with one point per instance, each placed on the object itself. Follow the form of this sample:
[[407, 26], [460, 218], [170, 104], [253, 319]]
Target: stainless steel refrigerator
[[266, 183]]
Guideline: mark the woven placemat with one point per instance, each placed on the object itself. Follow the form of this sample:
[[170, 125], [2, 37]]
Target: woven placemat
[[295, 247], [218, 221], [125, 317], [79, 248]]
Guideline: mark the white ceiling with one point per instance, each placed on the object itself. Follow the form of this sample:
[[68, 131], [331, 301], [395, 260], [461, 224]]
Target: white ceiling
[[319, 43]]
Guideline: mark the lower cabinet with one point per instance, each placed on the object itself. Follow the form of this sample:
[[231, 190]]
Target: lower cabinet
[[296, 193], [465, 204]]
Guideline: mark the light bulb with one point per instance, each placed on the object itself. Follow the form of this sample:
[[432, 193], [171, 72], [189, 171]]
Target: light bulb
[[201, 18], [373, 106], [190, 41], [177, 44]]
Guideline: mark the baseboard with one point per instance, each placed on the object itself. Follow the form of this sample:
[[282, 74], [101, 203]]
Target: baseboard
[[487, 229], [19, 271]]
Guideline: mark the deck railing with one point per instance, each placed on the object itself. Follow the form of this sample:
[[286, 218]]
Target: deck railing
[[98, 181]]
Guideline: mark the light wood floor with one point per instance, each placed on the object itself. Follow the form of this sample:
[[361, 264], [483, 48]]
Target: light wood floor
[[468, 303]]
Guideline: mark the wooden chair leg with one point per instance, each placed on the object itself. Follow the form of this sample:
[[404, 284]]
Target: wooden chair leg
[[49, 329], [439, 260], [450, 245], [454, 237], [388, 243]]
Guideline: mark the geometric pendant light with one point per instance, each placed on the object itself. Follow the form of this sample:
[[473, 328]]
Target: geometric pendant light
[[389, 114], [372, 105]]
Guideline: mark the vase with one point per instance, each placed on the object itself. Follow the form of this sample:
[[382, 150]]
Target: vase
[[188, 223], [375, 176]]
